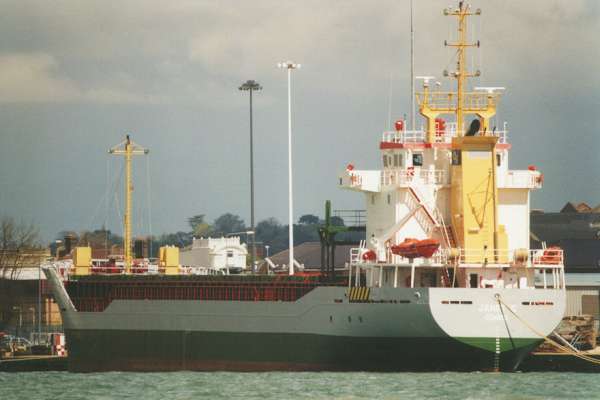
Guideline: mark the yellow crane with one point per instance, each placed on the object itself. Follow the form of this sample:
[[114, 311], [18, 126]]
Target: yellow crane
[[127, 149]]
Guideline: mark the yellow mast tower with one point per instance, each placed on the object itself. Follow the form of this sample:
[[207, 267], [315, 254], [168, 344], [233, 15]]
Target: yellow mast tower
[[482, 103], [460, 74], [127, 148]]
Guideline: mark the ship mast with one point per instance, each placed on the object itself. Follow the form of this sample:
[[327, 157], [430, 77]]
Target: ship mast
[[127, 149], [462, 12]]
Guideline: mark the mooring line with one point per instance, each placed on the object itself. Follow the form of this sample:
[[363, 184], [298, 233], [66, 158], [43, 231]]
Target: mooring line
[[546, 338]]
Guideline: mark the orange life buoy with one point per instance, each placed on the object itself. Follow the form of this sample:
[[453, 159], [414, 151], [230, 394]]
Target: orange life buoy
[[410, 171]]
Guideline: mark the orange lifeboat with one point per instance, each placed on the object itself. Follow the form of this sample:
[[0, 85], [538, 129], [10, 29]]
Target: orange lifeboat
[[407, 249], [427, 247], [413, 248]]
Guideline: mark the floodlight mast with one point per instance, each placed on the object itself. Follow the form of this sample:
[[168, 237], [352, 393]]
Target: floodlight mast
[[251, 86], [289, 65], [412, 70]]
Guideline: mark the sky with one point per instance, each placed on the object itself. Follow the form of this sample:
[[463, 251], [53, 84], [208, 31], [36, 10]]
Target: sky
[[76, 76]]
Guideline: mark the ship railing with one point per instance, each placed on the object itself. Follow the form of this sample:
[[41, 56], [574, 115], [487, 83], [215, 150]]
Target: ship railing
[[550, 258], [355, 253], [537, 268], [367, 180], [441, 136], [536, 258], [408, 176], [521, 179], [446, 101], [414, 136], [352, 179]]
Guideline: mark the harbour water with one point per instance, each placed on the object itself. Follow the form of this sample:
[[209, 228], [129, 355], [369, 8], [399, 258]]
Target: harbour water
[[278, 385]]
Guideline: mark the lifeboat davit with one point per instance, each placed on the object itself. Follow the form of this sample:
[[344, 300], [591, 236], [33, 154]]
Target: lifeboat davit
[[414, 248]]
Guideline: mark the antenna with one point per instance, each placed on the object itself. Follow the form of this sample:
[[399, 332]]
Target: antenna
[[490, 89], [461, 12], [425, 79]]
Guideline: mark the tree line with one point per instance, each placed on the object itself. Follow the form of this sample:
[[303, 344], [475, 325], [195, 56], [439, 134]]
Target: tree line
[[269, 232]]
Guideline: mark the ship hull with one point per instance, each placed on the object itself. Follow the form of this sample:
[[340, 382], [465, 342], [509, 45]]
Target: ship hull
[[328, 328], [115, 350]]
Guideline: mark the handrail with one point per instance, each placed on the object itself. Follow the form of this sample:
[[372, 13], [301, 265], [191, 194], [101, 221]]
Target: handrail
[[536, 258], [405, 176], [521, 179], [445, 136]]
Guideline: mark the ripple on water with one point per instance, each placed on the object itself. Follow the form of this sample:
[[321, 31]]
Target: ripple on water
[[283, 385]]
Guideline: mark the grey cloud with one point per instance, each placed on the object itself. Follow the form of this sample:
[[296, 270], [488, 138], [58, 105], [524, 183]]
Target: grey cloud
[[76, 75]]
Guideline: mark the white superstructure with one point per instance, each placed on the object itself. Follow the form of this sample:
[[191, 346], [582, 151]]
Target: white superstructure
[[217, 254], [445, 209]]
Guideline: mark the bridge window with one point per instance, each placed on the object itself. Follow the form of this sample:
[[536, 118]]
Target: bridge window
[[456, 157], [417, 159], [473, 280]]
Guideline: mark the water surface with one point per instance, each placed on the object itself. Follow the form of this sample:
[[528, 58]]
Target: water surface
[[284, 385]]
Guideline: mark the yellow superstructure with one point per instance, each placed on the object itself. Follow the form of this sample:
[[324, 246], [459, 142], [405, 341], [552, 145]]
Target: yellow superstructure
[[474, 199], [169, 259], [82, 260]]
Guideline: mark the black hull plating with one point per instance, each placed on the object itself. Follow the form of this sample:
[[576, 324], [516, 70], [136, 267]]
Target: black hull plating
[[112, 350]]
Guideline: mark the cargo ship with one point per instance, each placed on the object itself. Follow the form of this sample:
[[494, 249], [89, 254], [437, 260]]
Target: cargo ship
[[444, 279]]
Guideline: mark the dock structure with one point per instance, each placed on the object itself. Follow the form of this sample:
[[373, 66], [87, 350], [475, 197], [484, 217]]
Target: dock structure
[[34, 363]]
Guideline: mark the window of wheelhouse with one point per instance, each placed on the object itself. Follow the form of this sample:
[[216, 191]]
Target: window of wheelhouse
[[390, 160], [397, 160], [456, 157], [417, 159]]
